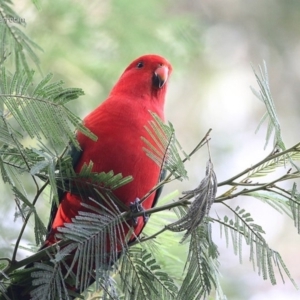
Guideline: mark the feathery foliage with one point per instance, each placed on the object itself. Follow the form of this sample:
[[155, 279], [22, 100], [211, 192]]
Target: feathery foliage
[[204, 197], [242, 228], [93, 233], [142, 277], [40, 110], [265, 96], [15, 45], [202, 274], [294, 203], [50, 282], [164, 147]]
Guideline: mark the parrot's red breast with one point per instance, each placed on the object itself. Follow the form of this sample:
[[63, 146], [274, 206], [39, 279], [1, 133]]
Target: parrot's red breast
[[119, 123]]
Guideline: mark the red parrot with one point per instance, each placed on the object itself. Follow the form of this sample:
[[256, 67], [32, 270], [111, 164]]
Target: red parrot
[[119, 123]]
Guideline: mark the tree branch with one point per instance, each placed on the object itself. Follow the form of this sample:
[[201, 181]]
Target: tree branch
[[263, 161]]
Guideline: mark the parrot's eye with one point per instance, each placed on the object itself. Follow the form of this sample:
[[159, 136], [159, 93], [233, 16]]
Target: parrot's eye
[[140, 65]]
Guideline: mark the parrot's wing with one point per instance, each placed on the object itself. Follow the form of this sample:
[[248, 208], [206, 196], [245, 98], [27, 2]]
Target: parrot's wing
[[158, 191], [75, 155]]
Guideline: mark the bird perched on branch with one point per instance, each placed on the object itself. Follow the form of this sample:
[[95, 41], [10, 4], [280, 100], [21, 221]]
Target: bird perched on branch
[[119, 123]]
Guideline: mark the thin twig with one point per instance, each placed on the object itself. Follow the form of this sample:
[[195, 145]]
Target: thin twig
[[199, 145], [26, 221], [266, 159], [168, 179], [153, 236], [246, 191]]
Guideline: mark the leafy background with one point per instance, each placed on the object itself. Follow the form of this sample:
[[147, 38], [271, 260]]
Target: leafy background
[[211, 45]]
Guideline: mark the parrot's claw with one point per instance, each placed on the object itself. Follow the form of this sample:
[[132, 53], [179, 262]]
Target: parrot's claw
[[135, 207]]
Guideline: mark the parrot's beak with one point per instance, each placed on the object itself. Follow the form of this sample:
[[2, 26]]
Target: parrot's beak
[[160, 76]]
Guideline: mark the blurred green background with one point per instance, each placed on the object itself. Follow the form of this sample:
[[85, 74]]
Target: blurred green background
[[211, 45]]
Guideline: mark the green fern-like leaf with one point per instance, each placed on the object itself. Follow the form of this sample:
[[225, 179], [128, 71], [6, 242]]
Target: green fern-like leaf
[[98, 238], [49, 283], [204, 196], [13, 163], [87, 183], [294, 203], [263, 258], [202, 273], [15, 44], [39, 229], [20, 159], [265, 96], [40, 111], [142, 278], [273, 164], [163, 148], [279, 203]]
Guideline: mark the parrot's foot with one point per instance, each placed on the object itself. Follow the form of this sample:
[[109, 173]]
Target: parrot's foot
[[135, 207]]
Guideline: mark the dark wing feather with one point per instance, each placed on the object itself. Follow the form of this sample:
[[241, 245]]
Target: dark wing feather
[[158, 191], [75, 155]]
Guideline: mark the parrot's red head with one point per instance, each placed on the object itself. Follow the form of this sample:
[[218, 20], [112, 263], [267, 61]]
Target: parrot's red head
[[146, 77]]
